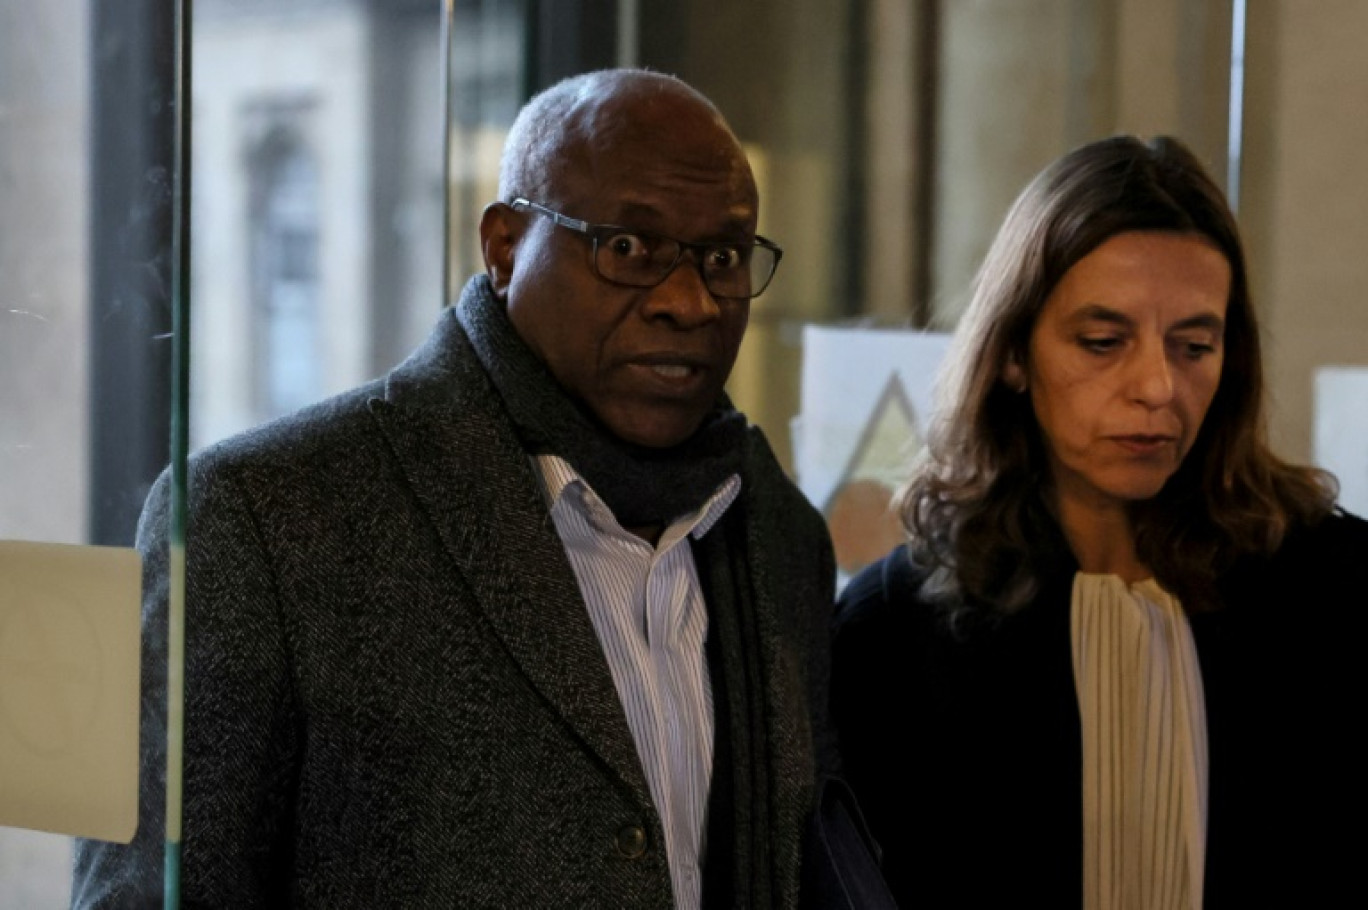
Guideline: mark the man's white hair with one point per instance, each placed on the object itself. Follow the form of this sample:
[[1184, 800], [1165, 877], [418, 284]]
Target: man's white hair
[[554, 126]]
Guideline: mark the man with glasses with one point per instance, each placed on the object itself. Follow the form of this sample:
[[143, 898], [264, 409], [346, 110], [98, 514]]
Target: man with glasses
[[537, 620]]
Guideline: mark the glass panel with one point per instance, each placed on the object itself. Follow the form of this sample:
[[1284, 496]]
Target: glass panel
[[86, 181], [317, 223]]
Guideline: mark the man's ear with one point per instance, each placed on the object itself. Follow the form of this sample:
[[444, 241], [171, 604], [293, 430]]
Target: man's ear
[[499, 231]]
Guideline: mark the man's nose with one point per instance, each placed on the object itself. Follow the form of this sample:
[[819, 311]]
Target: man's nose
[[683, 297], [1151, 375]]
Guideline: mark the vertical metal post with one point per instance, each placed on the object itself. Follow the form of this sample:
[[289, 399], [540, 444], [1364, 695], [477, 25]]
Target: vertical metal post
[[132, 136], [180, 437], [448, 26], [927, 118], [1235, 129], [628, 32]]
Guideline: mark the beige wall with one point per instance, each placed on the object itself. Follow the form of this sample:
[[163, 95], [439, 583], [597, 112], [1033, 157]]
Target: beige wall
[[1023, 81], [1305, 196]]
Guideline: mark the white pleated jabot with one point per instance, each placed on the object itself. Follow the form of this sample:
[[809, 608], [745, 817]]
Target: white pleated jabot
[[1144, 747]]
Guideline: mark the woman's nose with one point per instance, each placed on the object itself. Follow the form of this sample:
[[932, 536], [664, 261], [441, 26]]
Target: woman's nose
[[1151, 376]]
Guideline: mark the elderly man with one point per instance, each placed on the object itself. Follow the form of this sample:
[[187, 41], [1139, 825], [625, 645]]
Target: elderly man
[[537, 620]]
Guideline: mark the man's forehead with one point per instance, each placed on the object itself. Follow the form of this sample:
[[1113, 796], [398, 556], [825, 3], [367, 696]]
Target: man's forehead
[[660, 153], [655, 187], [706, 219], [642, 95], [636, 111]]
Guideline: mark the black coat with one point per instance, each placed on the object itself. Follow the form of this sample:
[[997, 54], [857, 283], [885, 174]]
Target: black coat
[[965, 750], [394, 693]]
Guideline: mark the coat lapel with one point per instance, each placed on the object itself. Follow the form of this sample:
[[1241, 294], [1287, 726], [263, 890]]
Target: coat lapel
[[448, 431]]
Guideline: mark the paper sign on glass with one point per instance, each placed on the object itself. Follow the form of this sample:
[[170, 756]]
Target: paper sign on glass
[[1341, 442], [866, 400], [69, 688]]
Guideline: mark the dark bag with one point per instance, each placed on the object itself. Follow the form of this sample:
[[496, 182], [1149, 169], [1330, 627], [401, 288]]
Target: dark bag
[[841, 859]]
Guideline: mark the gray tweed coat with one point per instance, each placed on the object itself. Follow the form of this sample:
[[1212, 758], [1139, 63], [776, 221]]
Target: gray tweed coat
[[395, 697]]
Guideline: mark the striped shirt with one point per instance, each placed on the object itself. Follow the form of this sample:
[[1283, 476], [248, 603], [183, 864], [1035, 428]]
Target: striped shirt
[[647, 609], [1143, 717]]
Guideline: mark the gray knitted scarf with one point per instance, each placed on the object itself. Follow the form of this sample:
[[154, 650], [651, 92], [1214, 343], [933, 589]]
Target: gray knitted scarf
[[642, 486]]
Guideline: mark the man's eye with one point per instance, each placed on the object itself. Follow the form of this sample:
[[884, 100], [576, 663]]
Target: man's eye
[[724, 257], [628, 245]]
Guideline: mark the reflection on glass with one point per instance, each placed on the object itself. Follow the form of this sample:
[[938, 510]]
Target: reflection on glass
[[44, 103], [317, 145], [84, 274], [284, 223]]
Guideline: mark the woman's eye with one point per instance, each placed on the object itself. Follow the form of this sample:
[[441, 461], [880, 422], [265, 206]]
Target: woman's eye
[[628, 245], [1195, 347], [1196, 350], [1099, 344]]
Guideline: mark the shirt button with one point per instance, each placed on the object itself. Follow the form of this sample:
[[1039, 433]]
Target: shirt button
[[631, 841]]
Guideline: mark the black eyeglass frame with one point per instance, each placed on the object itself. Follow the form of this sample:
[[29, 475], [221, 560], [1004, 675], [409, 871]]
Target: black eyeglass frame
[[597, 231]]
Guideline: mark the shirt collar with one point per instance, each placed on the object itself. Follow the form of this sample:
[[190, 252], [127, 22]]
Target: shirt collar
[[559, 478]]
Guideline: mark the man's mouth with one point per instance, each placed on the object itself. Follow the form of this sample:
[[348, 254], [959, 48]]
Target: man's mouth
[[673, 370]]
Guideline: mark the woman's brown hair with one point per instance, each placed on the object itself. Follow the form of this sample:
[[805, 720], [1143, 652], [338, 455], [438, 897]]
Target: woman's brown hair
[[980, 523]]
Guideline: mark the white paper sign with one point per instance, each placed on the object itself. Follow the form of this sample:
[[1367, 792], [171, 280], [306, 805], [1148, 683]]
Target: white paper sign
[[1341, 435], [69, 688], [866, 398]]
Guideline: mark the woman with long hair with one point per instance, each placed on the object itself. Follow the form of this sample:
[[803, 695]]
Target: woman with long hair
[[1115, 664]]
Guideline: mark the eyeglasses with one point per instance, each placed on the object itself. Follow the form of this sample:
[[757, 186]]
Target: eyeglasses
[[640, 260]]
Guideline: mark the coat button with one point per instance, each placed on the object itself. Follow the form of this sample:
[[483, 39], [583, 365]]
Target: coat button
[[631, 841]]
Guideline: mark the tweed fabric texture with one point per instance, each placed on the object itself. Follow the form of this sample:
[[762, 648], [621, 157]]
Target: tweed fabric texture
[[395, 697]]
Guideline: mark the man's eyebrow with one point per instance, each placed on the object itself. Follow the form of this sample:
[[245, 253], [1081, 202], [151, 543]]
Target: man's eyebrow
[[650, 218], [638, 214]]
